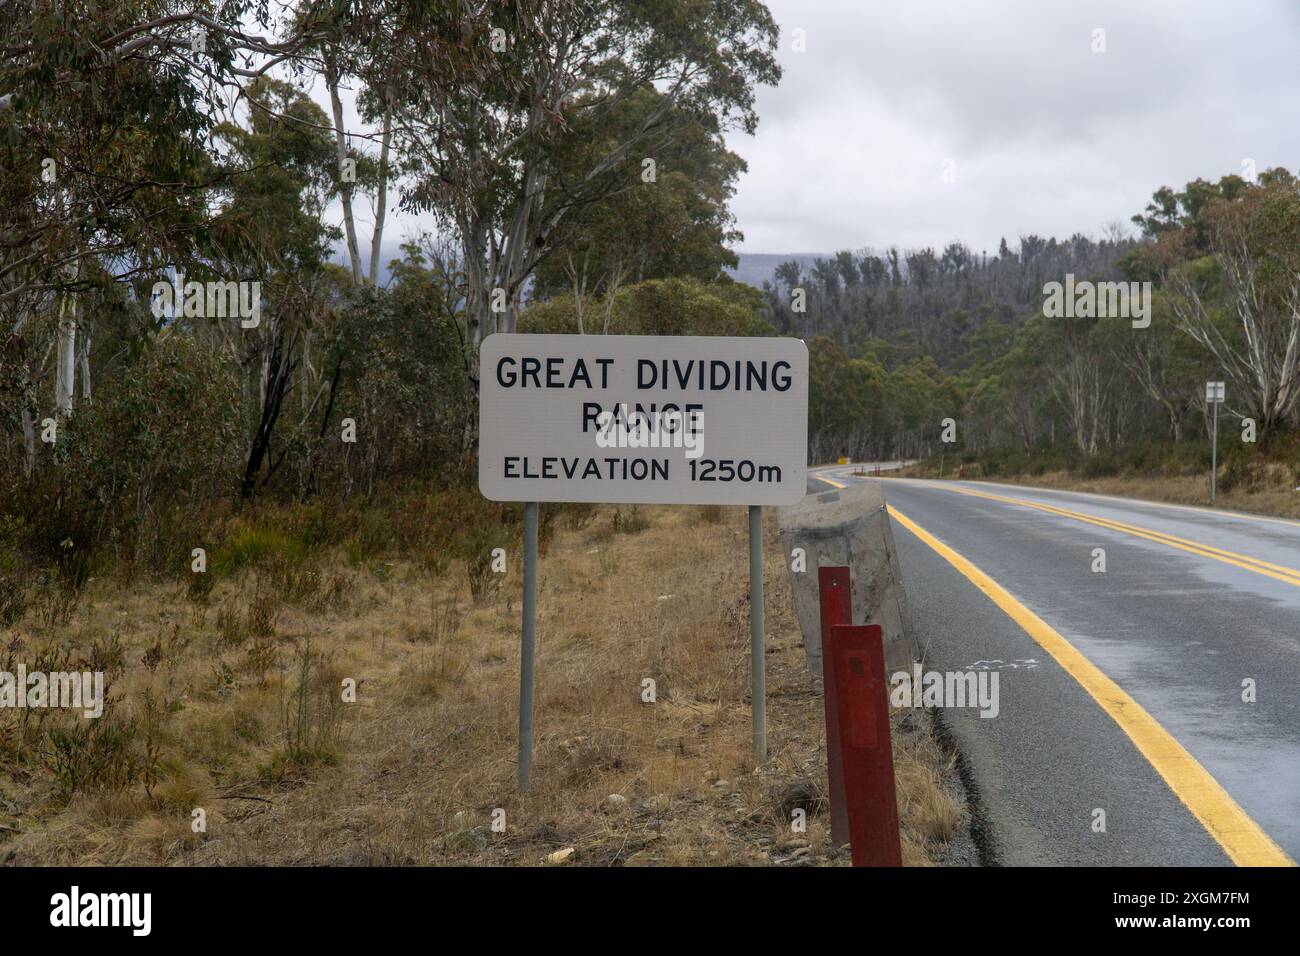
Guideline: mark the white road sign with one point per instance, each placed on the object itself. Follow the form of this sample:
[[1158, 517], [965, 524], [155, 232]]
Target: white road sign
[[1214, 391], [643, 419]]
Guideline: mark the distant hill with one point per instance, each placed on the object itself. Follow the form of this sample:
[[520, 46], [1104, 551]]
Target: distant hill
[[758, 267], [755, 267]]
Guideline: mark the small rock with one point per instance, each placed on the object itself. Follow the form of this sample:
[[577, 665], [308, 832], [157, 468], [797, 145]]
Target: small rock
[[560, 857], [616, 801]]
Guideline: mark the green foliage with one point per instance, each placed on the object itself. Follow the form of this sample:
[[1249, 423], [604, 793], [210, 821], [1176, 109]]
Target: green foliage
[[89, 755], [662, 307], [272, 217], [250, 547], [674, 223], [372, 536], [135, 469]]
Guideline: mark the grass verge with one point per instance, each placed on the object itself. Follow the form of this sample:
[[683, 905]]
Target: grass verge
[[230, 702]]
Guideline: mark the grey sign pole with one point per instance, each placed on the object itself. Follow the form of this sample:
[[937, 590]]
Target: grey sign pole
[[1214, 395], [757, 662], [528, 647]]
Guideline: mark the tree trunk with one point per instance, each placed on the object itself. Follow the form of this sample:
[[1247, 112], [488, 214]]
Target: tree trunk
[[345, 188], [83, 353], [279, 372], [381, 200], [29, 439], [66, 362]]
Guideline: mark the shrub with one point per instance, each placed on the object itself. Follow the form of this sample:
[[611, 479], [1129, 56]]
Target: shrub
[[633, 522], [162, 440], [370, 539], [15, 579], [94, 754], [443, 624], [311, 710], [198, 587], [578, 515], [477, 548], [253, 546], [711, 514]]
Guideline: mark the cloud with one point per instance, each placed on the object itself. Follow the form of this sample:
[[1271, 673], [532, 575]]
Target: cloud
[[1038, 132]]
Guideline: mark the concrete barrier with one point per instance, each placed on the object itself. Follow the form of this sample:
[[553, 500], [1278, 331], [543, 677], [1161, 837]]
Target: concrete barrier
[[848, 526]]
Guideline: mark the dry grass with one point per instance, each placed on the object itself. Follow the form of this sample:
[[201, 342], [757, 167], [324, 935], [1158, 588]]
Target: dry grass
[[248, 725], [1267, 498]]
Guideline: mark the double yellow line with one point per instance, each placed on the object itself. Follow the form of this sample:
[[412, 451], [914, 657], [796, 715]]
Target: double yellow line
[[1267, 568]]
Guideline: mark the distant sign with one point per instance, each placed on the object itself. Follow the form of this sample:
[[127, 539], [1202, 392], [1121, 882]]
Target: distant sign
[[643, 419], [1214, 391]]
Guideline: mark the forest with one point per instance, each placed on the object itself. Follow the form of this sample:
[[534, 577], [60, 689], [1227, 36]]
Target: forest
[[182, 346], [903, 340]]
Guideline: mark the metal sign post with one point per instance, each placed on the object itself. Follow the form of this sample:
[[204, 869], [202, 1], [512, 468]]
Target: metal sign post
[[757, 661], [1214, 395], [633, 419], [528, 647]]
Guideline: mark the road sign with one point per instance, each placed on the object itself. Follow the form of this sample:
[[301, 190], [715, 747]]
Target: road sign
[[1214, 392], [635, 419]]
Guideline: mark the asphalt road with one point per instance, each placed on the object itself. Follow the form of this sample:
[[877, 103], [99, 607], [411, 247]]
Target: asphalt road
[[1130, 700]]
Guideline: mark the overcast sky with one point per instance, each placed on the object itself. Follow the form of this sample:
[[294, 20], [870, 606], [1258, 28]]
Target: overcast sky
[[1044, 136]]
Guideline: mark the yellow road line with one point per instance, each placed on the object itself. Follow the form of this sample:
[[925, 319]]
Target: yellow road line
[[829, 481], [1241, 837], [1268, 569]]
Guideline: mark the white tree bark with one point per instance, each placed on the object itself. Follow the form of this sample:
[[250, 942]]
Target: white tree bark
[[345, 188], [381, 200], [65, 377]]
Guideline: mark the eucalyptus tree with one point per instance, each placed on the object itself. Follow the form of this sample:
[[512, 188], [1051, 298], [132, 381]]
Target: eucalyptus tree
[[668, 218], [270, 228], [1231, 268], [487, 99], [105, 114]]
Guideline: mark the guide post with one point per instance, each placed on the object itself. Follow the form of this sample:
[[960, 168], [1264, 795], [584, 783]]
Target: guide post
[[1214, 395], [633, 419]]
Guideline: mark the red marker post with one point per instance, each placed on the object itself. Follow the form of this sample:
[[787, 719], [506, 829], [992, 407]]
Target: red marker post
[[836, 608], [857, 656]]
